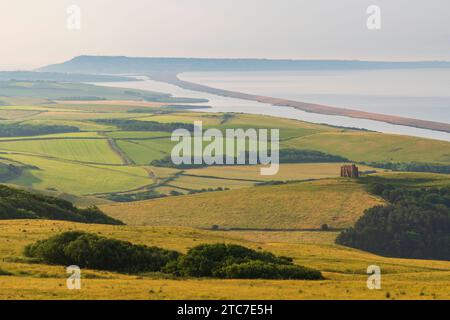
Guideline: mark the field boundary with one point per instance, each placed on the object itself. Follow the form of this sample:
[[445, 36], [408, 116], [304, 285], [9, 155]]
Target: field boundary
[[113, 145]]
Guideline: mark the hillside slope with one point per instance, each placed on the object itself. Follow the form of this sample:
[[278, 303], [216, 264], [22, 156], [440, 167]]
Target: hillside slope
[[371, 146], [20, 204], [336, 202]]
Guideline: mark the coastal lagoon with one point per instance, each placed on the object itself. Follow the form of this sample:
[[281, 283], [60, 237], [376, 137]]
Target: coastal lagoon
[[273, 84], [412, 93]]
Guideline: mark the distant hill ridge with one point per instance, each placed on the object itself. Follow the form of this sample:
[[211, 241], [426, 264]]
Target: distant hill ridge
[[59, 77], [141, 65]]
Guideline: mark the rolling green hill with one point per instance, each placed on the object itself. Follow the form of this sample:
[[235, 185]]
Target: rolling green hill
[[369, 146]]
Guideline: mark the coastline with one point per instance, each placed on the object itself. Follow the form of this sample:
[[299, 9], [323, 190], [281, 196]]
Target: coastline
[[172, 78]]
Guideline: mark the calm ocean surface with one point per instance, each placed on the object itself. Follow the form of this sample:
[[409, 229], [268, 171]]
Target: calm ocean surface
[[422, 94], [416, 93]]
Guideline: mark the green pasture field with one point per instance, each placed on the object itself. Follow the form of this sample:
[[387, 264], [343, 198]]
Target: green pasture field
[[73, 177], [82, 150], [373, 147], [143, 152]]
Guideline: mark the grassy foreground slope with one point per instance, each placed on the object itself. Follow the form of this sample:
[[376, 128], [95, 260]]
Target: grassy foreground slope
[[344, 268], [336, 202]]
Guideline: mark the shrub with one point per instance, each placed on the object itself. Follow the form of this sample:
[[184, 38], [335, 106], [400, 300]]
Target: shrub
[[263, 270], [201, 261], [5, 273], [138, 196], [91, 251], [234, 261]]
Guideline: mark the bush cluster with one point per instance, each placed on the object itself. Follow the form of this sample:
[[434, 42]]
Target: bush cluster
[[256, 269], [92, 251], [234, 261], [208, 260]]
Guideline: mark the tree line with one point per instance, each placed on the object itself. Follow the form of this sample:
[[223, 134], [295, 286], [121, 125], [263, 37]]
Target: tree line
[[411, 166], [285, 156], [136, 125], [22, 130], [414, 224]]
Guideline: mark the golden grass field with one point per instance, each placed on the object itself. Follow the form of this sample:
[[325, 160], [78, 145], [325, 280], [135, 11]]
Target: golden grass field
[[344, 268], [336, 202]]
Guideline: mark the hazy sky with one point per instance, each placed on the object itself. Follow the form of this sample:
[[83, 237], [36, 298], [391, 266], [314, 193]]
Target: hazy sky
[[34, 33]]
